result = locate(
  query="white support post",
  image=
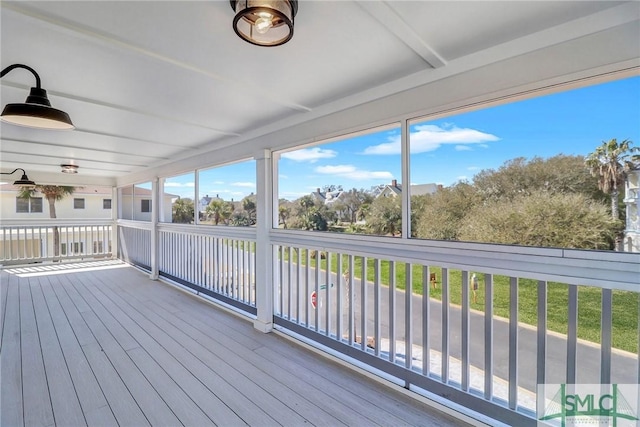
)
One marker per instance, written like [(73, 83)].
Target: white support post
[(116, 212), (406, 180), (264, 251), (155, 208)]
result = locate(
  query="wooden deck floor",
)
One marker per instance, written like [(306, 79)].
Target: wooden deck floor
[(109, 347)]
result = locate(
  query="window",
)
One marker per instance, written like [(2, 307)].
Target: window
[(176, 199), (75, 248), (145, 205), (351, 185), (106, 203), (227, 195), (516, 173), (29, 205), (78, 203)]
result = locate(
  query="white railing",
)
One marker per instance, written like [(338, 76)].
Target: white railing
[(54, 240), (485, 349), (413, 312), (134, 242), (218, 261)]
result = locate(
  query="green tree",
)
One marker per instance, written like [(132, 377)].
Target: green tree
[(310, 215), (609, 163), (219, 210), (52, 193), (284, 212), (542, 219), (183, 211), (438, 216), (249, 206), (557, 174), (385, 216), (353, 200)]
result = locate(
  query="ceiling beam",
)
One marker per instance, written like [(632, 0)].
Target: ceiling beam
[(388, 17)]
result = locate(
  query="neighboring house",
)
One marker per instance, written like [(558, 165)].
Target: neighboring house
[(632, 201), (136, 204), (327, 197), (86, 202), (394, 189), (204, 202)]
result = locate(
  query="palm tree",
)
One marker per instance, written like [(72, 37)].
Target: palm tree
[(609, 163), (219, 210), (183, 211), (52, 193)]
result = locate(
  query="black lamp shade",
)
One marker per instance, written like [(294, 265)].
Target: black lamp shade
[(36, 112), (24, 182), (264, 22)]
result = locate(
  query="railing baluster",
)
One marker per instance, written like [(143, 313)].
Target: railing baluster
[(408, 318), (352, 294), (513, 343), (289, 279), (328, 305), (299, 291), (488, 336), (392, 311), (339, 307), (281, 284), (572, 333), (363, 305), (465, 331), (307, 281), (377, 304), (542, 332), (606, 328), (426, 311), (444, 371), (316, 289)]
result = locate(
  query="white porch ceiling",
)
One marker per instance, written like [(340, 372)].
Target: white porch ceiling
[(149, 83)]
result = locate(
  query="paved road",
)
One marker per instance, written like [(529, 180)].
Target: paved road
[(624, 367)]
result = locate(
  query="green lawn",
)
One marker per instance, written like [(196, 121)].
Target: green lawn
[(625, 304)]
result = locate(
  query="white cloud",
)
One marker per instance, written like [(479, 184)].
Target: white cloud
[(463, 148), (311, 155), (431, 137), (244, 184), (351, 172), (462, 178), (179, 184), (473, 168)]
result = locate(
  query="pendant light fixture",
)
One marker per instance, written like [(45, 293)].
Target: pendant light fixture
[(36, 112), (69, 169), (264, 22), (22, 182)]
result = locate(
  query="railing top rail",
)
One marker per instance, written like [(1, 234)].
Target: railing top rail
[(612, 270), (50, 222)]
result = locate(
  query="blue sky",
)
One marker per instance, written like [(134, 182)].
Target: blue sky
[(446, 150)]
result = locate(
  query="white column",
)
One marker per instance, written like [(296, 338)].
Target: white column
[(155, 211), (264, 251), (116, 212), (406, 180)]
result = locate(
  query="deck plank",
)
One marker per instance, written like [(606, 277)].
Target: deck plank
[(64, 400), (11, 366), (90, 396), (154, 408), (103, 397), (179, 402), (37, 408), (138, 352), (232, 387)]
